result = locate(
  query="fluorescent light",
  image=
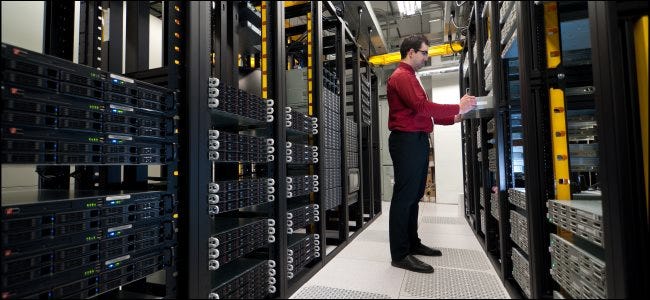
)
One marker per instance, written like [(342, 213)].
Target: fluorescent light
[(429, 72), (407, 8), (434, 20)]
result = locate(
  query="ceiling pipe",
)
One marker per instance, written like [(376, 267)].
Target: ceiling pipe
[(395, 57)]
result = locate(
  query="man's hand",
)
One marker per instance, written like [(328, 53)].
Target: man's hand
[(458, 118), (467, 103)]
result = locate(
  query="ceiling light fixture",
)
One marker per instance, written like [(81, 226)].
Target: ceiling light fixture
[(408, 8)]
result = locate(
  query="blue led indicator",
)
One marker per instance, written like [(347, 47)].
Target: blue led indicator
[(112, 234), (110, 266), (112, 202), (115, 80)]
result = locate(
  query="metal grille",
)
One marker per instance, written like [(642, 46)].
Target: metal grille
[(452, 283), (458, 258), (323, 292), (443, 220)]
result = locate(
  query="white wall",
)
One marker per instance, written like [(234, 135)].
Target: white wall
[(22, 24), (155, 42), (447, 142)]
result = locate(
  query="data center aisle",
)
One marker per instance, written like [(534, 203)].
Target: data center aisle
[(363, 270)]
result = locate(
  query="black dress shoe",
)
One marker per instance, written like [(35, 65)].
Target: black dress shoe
[(426, 251), (412, 264)]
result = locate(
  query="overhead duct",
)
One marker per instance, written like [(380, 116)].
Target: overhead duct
[(437, 50)]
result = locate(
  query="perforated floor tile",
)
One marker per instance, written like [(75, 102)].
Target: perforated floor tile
[(323, 292), (443, 220), (447, 283), (458, 258)]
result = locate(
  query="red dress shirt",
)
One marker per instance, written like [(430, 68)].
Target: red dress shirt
[(409, 108)]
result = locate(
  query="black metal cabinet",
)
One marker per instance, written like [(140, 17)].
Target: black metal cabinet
[(558, 139)]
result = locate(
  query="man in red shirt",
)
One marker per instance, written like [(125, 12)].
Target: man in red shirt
[(410, 121)]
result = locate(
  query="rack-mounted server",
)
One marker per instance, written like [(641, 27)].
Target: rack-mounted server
[(302, 185), (519, 230), (58, 112), (301, 216), (331, 188), (579, 272), (517, 196), (229, 99), (521, 271), (236, 238), (230, 147), (581, 217), (494, 206), (245, 279), (301, 250), (62, 243), (231, 195), (300, 122), (301, 154)]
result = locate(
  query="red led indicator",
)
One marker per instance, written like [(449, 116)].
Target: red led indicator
[(7, 252)]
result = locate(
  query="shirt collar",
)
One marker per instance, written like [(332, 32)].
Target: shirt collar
[(406, 67)]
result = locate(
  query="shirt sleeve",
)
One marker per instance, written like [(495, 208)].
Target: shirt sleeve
[(411, 93), (444, 120)]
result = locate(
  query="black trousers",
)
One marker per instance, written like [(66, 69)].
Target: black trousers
[(410, 154)]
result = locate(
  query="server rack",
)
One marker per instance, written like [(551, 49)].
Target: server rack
[(232, 249), (303, 221), (369, 142), (304, 253), (327, 42), (236, 157), (540, 54), (111, 229)]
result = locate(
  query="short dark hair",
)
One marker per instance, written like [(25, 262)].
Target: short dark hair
[(412, 42)]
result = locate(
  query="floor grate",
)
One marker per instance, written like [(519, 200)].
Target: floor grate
[(458, 258), (452, 283), (324, 292), (443, 220)]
